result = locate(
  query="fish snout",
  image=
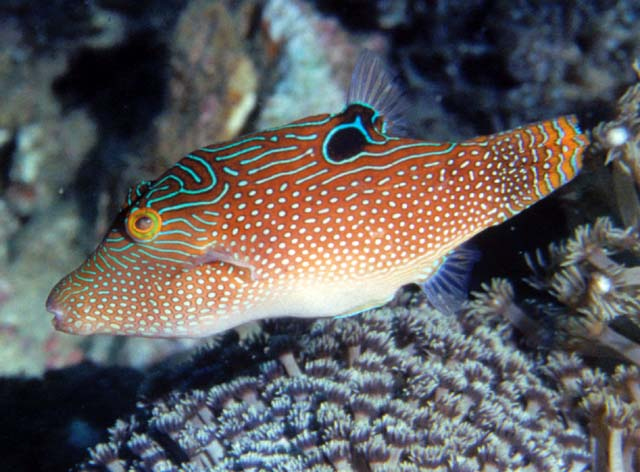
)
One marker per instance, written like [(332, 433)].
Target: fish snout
[(62, 316), (54, 307)]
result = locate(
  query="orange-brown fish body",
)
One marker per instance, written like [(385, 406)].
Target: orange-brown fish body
[(326, 216)]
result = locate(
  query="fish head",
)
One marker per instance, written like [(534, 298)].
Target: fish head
[(152, 274)]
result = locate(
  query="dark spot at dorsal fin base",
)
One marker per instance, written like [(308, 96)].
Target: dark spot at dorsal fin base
[(373, 84), (358, 125), (345, 144)]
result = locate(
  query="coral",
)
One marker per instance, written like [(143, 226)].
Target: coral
[(389, 390), (594, 284), (481, 66), (62, 24), (316, 57), (34, 177), (30, 117), (495, 306), (614, 420), (41, 147), (28, 344), (213, 81), (610, 405), (594, 279), (620, 139), (9, 224)]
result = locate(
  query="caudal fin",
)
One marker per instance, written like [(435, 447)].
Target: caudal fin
[(526, 164)]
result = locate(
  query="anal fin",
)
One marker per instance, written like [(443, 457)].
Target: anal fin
[(447, 288)]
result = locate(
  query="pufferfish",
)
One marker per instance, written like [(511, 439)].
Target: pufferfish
[(328, 215)]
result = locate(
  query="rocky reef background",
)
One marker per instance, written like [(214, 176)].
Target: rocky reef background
[(98, 95)]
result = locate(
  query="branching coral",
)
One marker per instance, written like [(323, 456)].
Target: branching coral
[(213, 100), (596, 295), (495, 305), (587, 275), (620, 139), (609, 405), (401, 390), (594, 280)]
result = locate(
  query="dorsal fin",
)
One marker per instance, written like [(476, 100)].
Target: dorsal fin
[(373, 84)]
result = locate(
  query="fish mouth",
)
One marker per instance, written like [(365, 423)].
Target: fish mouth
[(55, 309)]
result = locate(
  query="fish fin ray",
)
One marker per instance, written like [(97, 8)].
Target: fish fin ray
[(373, 84), (447, 288)]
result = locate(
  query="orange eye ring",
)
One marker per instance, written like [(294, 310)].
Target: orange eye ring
[(143, 224)]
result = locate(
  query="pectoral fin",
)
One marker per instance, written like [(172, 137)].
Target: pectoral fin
[(221, 254)]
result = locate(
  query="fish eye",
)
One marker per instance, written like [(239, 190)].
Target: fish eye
[(344, 143), (143, 224)]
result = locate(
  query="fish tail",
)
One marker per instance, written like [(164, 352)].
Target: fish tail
[(564, 145), (526, 164)]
